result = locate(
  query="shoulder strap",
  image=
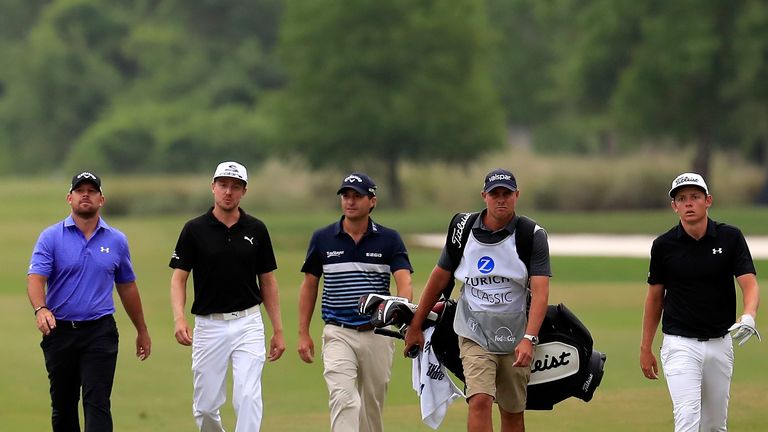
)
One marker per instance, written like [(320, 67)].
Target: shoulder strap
[(524, 230), (524, 239), (458, 233), (461, 226)]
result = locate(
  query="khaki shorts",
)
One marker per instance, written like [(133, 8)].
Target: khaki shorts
[(494, 375)]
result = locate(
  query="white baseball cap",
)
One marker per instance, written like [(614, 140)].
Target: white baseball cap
[(687, 179), (231, 169)]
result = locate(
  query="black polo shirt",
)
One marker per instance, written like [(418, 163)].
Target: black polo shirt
[(225, 262), (698, 278)]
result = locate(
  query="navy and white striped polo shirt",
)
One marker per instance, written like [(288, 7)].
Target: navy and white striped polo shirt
[(352, 270)]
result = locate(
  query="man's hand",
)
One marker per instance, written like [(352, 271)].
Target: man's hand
[(414, 341), (306, 348), (182, 332), (45, 321), (276, 346), (143, 345), (648, 364), (744, 329), (523, 354)]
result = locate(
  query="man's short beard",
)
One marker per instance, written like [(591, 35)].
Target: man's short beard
[(86, 214)]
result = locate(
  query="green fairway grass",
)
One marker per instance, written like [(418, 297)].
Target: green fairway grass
[(606, 293)]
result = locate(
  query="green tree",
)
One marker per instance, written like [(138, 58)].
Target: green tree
[(521, 59), (377, 83), (681, 68), (749, 86), (590, 41), (138, 85), (61, 79)]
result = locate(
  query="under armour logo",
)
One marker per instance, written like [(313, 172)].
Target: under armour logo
[(250, 240), (104, 249), (717, 251)]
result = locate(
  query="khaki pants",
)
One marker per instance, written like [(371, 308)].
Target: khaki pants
[(494, 375), (357, 373)]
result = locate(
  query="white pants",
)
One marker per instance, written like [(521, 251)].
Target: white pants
[(215, 344), (698, 375), (357, 372)]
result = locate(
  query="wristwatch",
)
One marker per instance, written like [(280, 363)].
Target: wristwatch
[(534, 339)]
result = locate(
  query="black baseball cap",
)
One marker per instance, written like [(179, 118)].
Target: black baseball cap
[(85, 176), (359, 182), (500, 177)]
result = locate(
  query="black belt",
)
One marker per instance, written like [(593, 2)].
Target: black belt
[(80, 324), (361, 328), (705, 339)]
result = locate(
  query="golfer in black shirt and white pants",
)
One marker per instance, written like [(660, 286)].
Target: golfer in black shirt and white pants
[(230, 254), (691, 291)]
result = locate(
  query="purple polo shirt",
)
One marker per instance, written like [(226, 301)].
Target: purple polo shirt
[(81, 273)]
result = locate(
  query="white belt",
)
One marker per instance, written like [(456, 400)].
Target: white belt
[(226, 316)]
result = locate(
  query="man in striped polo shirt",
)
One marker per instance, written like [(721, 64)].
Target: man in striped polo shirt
[(355, 256)]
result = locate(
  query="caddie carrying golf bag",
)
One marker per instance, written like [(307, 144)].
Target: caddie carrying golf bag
[(564, 365)]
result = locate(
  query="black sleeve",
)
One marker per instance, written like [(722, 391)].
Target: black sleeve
[(266, 261), (743, 263), (184, 254), (655, 273), (540, 264)]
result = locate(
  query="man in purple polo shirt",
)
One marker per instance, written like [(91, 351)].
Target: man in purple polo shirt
[(80, 260)]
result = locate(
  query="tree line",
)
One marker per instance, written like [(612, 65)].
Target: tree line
[(173, 86)]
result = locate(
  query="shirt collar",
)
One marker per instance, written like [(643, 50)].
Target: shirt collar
[(510, 227), (372, 227), (213, 221), (711, 229), (70, 221)]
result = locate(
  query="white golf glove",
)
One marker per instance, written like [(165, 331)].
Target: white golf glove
[(744, 329)]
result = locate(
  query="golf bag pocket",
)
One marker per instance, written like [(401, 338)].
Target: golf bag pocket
[(496, 332)]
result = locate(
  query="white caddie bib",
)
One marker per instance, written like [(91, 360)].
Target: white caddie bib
[(492, 307)]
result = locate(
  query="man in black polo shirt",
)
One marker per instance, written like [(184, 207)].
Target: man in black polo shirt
[(231, 256), (354, 256), (691, 280)]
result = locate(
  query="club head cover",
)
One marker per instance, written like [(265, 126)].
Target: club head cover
[(377, 318), (368, 303), (397, 313)]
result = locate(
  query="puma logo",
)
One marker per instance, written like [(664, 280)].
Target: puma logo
[(250, 239)]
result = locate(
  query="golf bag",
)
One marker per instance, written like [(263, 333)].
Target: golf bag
[(564, 365)]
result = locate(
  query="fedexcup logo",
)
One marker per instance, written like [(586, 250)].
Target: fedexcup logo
[(504, 334), (553, 361)]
